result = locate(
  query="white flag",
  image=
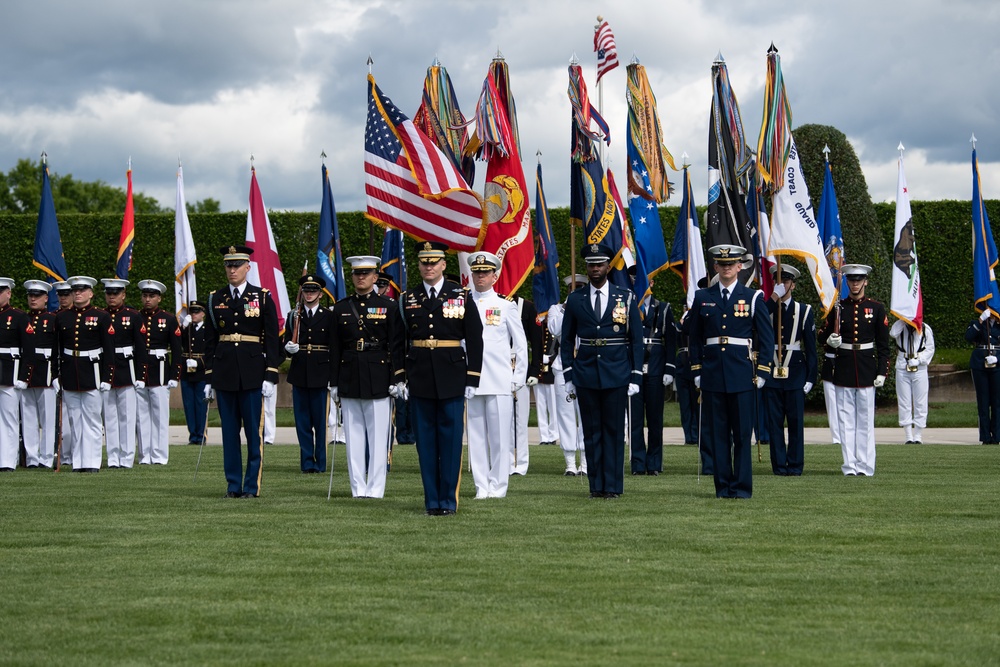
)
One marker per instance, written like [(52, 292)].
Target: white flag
[(185, 288), (907, 301), (794, 230)]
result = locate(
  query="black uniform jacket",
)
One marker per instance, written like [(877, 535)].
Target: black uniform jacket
[(242, 346), (368, 344), (442, 371)]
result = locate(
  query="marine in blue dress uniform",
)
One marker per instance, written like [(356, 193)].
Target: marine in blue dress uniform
[(13, 374), (793, 374), (438, 317), (658, 369), (984, 333), (38, 399), (242, 353), (308, 341), (606, 369), (731, 344), (120, 403)]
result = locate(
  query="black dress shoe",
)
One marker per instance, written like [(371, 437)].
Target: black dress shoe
[(434, 511), (638, 472), (445, 512), (569, 473), (612, 496), (653, 473), (248, 495), (232, 494), (596, 494)]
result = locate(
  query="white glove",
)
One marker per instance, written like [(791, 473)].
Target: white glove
[(191, 363), (20, 385), (546, 358), (515, 387), (668, 380), (633, 389), (139, 384), (991, 359), (267, 389), (807, 387), (779, 290), (55, 384), (209, 393), (759, 381), (985, 316), (912, 364), (469, 393), (879, 380), (186, 321), (105, 386), (697, 381), (834, 341), (171, 384), (570, 391), (335, 394), (291, 348), (532, 381)]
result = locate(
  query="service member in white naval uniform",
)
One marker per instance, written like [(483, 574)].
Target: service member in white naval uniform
[(491, 410), (915, 352), (569, 424)]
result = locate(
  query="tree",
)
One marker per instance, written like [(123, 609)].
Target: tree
[(21, 192), (207, 205), (863, 241)]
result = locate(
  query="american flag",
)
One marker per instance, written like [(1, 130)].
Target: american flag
[(604, 46), (411, 185)]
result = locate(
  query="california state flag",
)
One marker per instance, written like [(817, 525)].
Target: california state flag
[(907, 300), (265, 266), (794, 230)]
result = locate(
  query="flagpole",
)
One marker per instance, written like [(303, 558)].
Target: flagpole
[(572, 228), (371, 225), (600, 101)]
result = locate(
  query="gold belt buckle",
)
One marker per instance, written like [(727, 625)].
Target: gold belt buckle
[(361, 345), (780, 372), (600, 342), (723, 340)]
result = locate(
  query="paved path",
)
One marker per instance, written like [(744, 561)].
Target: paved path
[(675, 436)]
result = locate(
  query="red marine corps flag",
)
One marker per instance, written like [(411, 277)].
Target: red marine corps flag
[(265, 265), (508, 209)]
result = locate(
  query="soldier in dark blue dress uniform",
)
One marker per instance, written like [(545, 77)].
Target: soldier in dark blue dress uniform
[(792, 375), (242, 353), (308, 340), (731, 345), (984, 333), (438, 315), (193, 371), (606, 369), (658, 369)]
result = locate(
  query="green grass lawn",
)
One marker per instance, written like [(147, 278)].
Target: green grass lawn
[(940, 415), (148, 566)]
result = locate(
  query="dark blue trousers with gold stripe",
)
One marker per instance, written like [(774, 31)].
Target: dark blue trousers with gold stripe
[(236, 409), (438, 425), (309, 407)]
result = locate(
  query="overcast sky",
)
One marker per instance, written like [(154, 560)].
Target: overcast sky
[(93, 83)]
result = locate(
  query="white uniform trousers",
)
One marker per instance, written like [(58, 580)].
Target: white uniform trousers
[(120, 426), (367, 427), (519, 432), (489, 434), (856, 406), (153, 407), (270, 409), (545, 412), (66, 449), (10, 426), (38, 421), (911, 394), (832, 412), (85, 434), (570, 424)]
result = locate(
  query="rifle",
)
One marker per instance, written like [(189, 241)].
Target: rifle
[(299, 305)]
